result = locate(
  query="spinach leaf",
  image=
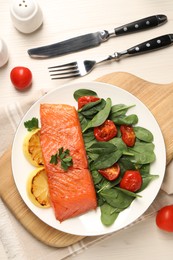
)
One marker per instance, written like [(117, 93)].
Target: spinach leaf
[(100, 200), (97, 177), (118, 142), (108, 214), (119, 110), (144, 169), (92, 108), (83, 120), (125, 164), (92, 156), (88, 136), (129, 193), (116, 198), (101, 148), (88, 144), (125, 120), (83, 92), (100, 117), (143, 153), (89, 105), (105, 184), (146, 179), (143, 134), (105, 160)]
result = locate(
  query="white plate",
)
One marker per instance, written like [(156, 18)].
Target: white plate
[(89, 224)]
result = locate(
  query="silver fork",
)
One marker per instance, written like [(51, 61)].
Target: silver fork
[(82, 68)]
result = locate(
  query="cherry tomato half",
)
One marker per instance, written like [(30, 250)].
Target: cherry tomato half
[(111, 173), (131, 181), (106, 131), (164, 218), (128, 135), (21, 77), (82, 101)]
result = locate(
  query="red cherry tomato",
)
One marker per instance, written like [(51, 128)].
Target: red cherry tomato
[(106, 131), (164, 218), (82, 101), (111, 173), (131, 181), (128, 135), (21, 77)]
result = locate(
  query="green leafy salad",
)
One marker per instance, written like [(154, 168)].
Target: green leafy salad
[(114, 195)]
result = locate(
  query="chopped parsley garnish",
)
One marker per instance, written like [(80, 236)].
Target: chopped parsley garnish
[(64, 157), (31, 124)]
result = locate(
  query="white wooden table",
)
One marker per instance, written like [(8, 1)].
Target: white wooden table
[(64, 19)]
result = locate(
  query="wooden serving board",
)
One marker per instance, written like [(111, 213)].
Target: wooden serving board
[(157, 97)]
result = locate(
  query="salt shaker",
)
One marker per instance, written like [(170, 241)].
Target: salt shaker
[(26, 15), (3, 53)]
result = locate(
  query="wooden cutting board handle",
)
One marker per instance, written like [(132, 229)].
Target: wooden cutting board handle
[(157, 97), (31, 223)]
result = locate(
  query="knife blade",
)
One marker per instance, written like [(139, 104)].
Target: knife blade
[(95, 39)]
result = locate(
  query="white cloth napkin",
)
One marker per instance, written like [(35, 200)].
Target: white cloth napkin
[(15, 241)]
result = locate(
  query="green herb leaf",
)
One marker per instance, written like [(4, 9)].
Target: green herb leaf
[(31, 124), (54, 159), (63, 156)]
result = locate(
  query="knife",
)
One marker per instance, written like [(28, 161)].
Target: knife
[(95, 39)]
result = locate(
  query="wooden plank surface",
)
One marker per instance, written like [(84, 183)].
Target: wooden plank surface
[(157, 97)]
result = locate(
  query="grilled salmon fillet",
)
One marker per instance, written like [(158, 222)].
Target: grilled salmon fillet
[(72, 192)]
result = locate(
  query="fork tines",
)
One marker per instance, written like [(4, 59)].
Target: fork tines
[(64, 71)]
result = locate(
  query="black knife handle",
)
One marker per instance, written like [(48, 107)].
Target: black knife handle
[(151, 45), (142, 24)]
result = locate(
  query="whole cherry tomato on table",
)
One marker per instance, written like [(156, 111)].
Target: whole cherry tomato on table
[(82, 101), (131, 181), (21, 77), (128, 135), (164, 218), (106, 131), (111, 173)]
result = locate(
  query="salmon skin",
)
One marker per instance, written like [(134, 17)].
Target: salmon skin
[(72, 192)]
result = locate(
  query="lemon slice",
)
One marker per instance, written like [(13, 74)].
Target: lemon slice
[(32, 148), (37, 188)]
